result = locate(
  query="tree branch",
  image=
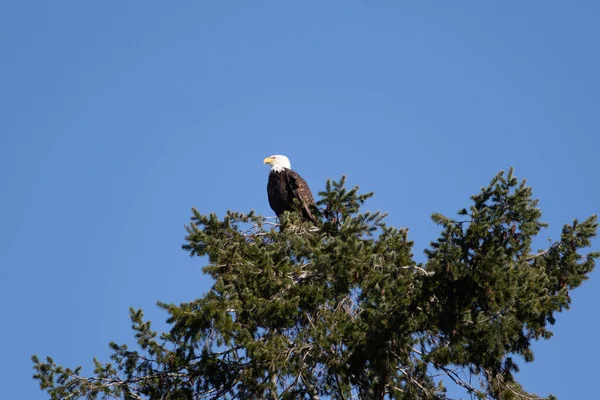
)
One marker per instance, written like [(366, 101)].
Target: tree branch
[(543, 252), (428, 273)]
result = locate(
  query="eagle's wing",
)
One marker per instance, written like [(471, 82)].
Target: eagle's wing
[(301, 191)]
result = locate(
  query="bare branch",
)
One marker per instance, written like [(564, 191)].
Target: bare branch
[(553, 246), (428, 273)]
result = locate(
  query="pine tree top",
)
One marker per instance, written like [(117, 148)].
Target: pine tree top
[(341, 309)]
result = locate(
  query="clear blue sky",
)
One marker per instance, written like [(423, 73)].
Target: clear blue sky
[(118, 117)]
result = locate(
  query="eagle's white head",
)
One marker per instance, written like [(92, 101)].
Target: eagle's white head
[(278, 163)]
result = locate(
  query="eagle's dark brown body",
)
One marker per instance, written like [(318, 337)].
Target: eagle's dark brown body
[(285, 186)]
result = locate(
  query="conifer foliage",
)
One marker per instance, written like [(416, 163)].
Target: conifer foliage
[(342, 310)]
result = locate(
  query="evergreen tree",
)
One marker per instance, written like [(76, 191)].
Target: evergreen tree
[(342, 310)]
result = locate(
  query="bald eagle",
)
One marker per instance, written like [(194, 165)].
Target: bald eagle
[(286, 185)]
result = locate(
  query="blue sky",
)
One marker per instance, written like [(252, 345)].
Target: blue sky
[(118, 117)]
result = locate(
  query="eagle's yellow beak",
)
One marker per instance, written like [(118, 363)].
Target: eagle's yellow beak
[(268, 160)]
